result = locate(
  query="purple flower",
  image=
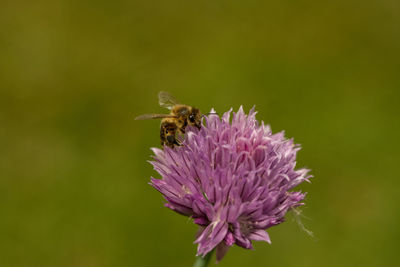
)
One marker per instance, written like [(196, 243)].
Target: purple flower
[(233, 179)]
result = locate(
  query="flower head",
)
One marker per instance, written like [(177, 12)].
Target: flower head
[(233, 178)]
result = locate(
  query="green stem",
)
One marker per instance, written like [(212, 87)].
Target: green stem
[(203, 261)]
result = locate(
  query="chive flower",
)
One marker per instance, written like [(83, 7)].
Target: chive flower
[(234, 179)]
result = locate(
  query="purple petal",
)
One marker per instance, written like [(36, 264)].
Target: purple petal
[(221, 250), (260, 235)]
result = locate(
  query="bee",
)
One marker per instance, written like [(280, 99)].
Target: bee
[(176, 121)]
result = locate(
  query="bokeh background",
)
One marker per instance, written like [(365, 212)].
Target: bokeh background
[(73, 163)]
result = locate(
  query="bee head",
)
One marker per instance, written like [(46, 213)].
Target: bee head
[(194, 118)]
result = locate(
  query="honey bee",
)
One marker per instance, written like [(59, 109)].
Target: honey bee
[(176, 122)]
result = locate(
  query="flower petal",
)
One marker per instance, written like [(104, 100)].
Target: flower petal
[(260, 235)]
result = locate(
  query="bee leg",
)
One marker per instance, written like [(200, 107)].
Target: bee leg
[(177, 143)]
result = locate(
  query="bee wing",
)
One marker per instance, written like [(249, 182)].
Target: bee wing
[(153, 116), (166, 100)]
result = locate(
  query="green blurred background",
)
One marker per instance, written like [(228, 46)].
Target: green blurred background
[(73, 173)]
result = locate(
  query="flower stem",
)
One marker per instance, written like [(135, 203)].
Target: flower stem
[(203, 261)]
